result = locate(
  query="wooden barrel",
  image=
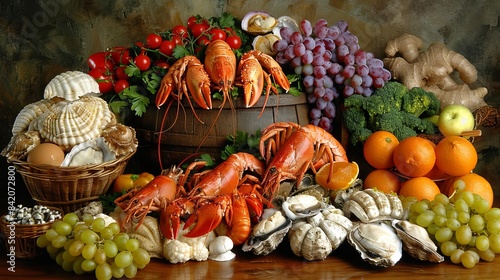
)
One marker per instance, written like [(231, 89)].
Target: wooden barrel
[(186, 135)]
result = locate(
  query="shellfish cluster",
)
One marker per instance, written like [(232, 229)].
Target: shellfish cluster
[(74, 117)]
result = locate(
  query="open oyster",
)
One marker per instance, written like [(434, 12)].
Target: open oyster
[(377, 243), (94, 151), (268, 233), (301, 206), (258, 22), (416, 241)]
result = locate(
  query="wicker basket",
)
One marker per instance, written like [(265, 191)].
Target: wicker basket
[(70, 188), (25, 237)]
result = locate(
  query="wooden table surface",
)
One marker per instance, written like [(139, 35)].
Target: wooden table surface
[(343, 263)]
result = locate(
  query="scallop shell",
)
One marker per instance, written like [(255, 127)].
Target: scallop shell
[(94, 151), (416, 241), (268, 233), (21, 144), (70, 123), (120, 138), (258, 22), (71, 85), (29, 113)]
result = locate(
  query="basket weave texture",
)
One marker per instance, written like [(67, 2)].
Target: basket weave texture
[(25, 237), (70, 188)]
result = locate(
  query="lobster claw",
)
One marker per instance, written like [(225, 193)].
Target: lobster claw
[(170, 221), (207, 217), (163, 94), (198, 83), (252, 79)]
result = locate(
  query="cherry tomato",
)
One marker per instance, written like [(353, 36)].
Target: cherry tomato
[(100, 60), (120, 73), (161, 63), (233, 41), (199, 28), (203, 40), (177, 40), (103, 77), (121, 85), (181, 31), (217, 34), (167, 47), (192, 20), (229, 31), (153, 41), (139, 44), (143, 62), (120, 55)]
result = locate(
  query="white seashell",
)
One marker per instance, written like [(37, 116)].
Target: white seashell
[(377, 243), (29, 113), (301, 205), (285, 21), (21, 144), (264, 43), (71, 85), (70, 123), (220, 249), (94, 151)]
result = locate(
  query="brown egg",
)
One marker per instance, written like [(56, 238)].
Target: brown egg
[(46, 153)]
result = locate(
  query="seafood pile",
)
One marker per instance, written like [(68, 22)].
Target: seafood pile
[(259, 204), (72, 116)]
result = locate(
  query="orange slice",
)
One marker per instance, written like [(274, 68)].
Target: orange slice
[(344, 174)]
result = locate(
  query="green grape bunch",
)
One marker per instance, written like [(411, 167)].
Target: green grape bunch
[(464, 226), (90, 246)]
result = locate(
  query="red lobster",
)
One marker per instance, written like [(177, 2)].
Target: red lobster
[(213, 196), (296, 149), (152, 197)]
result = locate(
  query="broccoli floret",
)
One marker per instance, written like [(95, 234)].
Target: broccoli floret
[(403, 132), (355, 122), (360, 134), (417, 124), (389, 121), (354, 101), (418, 101), (393, 92)]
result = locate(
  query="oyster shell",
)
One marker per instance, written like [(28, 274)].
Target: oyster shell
[(416, 241), (29, 113), (71, 85), (258, 22), (268, 233), (285, 21), (94, 151), (21, 144), (377, 243), (264, 43), (69, 123), (301, 206), (314, 238), (120, 138), (370, 205)]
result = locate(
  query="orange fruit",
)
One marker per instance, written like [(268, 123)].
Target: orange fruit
[(455, 156), (474, 183), (382, 180), (420, 188), (435, 172), (378, 149), (414, 156), (344, 174)]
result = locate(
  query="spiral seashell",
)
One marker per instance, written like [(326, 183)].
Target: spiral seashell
[(21, 144), (70, 123), (29, 113), (71, 85), (120, 138)]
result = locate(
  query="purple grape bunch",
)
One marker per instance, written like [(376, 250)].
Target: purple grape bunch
[(331, 63)]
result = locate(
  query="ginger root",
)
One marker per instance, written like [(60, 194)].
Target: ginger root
[(434, 70)]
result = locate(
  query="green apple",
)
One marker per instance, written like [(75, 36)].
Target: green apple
[(433, 119), (455, 119)]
